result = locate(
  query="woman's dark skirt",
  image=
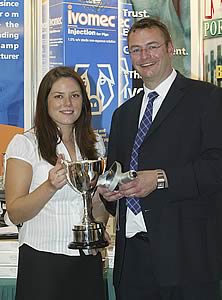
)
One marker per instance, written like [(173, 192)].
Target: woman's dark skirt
[(48, 276)]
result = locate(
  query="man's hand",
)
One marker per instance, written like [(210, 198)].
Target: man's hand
[(108, 195), (144, 184)]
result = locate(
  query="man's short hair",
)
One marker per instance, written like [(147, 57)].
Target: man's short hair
[(151, 23)]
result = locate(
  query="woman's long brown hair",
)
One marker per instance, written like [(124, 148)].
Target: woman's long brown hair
[(47, 132)]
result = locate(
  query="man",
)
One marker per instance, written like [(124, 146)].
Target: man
[(166, 241), (171, 13)]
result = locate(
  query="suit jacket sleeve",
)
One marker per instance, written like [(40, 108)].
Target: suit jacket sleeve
[(201, 174)]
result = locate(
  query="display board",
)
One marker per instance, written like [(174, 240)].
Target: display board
[(212, 41), (91, 37), (176, 15), (12, 63), (12, 71), (84, 35)]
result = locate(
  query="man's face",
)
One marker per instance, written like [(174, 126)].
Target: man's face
[(150, 55)]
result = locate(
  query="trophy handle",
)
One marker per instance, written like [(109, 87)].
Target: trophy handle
[(127, 176), (69, 181)]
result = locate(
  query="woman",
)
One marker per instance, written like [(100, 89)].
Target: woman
[(38, 196)]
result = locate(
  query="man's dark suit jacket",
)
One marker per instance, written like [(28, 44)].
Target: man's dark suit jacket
[(185, 140)]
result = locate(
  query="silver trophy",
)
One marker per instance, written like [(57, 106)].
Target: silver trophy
[(112, 178), (82, 176)]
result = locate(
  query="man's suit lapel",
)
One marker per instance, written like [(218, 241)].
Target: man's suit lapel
[(132, 125), (173, 97)]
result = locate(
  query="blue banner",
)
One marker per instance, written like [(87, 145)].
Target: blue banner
[(12, 63), (84, 35), (91, 37)]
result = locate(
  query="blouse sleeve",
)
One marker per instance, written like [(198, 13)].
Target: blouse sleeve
[(21, 147), (100, 146)]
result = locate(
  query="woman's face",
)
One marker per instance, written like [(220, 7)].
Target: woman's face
[(65, 102)]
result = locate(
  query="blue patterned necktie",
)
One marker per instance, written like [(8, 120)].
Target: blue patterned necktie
[(132, 202)]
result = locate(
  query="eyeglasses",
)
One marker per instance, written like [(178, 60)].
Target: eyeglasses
[(152, 49)]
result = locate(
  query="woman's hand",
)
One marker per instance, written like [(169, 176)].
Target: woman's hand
[(57, 175)]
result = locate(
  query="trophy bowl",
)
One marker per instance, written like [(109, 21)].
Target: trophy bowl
[(82, 176)]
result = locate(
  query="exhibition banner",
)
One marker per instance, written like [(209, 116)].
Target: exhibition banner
[(12, 72), (84, 35), (91, 37), (45, 37), (212, 41), (176, 15), (12, 63)]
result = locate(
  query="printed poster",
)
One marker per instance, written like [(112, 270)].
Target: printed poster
[(12, 63), (212, 41), (176, 15), (84, 35), (12, 72), (91, 36)]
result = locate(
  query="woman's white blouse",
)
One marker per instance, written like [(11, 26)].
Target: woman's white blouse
[(51, 229)]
